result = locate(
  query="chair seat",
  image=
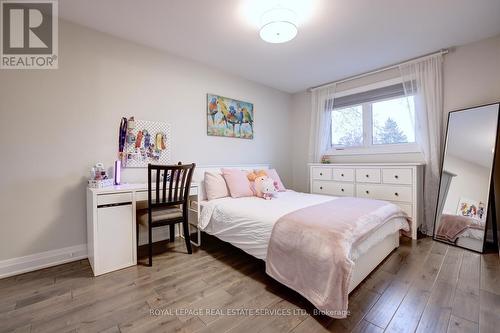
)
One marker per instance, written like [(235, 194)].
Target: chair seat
[(159, 215)]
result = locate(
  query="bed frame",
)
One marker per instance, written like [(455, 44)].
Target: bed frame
[(364, 265), (470, 243)]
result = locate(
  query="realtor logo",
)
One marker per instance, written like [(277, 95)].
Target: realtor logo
[(29, 34)]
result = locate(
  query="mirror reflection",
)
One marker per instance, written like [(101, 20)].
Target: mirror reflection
[(466, 177)]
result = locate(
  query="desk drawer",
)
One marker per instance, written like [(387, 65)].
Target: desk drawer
[(333, 188), (116, 198), (397, 176), (368, 175), (322, 173), (384, 192), (346, 175)]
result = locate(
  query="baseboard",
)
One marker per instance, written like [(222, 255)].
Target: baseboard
[(15, 266), (33, 262)]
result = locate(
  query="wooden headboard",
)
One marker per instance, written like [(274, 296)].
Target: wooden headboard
[(199, 173)]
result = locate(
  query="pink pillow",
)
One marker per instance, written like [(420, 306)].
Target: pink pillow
[(271, 173), (215, 186), (237, 182)]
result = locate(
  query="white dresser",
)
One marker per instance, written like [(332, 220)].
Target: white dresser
[(400, 183)]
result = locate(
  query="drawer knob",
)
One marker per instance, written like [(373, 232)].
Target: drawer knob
[(367, 192), (342, 175), (342, 189), (396, 176), (367, 176), (321, 187), (321, 173), (396, 194)]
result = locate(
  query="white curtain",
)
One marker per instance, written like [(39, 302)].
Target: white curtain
[(319, 134), (424, 80)]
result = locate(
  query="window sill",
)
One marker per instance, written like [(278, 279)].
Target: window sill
[(385, 149)]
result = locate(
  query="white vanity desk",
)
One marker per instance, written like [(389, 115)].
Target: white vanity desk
[(111, 225)]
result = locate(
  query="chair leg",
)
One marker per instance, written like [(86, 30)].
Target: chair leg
[(172, 232), (150, 245), (185, 226)]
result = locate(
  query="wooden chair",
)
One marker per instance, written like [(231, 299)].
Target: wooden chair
[(167, 202)]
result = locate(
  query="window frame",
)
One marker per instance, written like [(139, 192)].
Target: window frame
[(368, 147)]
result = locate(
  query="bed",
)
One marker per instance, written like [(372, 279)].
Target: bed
[(472, 239), (463, 231), (247, 223)]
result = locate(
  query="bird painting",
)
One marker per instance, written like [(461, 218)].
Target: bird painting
[(246, 115), (229, 117), (241, 116), (212, 109)]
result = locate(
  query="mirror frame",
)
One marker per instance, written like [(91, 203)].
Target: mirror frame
[(491, 194)]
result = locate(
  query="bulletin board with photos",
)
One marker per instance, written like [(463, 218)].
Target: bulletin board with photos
[(147, 142)]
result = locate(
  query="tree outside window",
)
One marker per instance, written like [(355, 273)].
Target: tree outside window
[(382, 122)]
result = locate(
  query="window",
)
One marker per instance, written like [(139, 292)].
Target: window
[(393, 121), (373, 120), (347, 126)]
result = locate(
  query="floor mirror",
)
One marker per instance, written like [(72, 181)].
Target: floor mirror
[(465, 196)]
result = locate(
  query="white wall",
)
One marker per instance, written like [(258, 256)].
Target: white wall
[(472, 181), (54, 124), (471, 77), (301, 122)]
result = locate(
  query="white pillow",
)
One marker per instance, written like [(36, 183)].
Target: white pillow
[(215, 186)]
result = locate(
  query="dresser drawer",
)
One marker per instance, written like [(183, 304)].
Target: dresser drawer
[(333, 188), (368, 175), (397, 176), (346, 175), (322, 173), (407, 208), (384, 192)]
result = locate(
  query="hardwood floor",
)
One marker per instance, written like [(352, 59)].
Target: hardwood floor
[(423, 286)]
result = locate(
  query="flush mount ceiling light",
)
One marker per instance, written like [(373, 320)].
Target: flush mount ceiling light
[(278, 25)]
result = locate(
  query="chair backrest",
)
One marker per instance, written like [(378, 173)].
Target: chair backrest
[(172, 184)]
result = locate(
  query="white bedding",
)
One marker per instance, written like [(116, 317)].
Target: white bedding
[(472, 233), (471, 239), (247, 222)]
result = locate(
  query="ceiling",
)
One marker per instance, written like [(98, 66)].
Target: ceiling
[(337, 38), (472, 135)]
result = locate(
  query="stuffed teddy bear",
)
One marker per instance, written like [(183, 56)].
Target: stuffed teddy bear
[(265, 187), (255, 174)]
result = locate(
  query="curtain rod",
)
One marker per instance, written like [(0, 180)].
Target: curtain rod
[(382, 69)]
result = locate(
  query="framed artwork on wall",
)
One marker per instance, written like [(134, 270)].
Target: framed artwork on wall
[(229, 117), (471, 208)]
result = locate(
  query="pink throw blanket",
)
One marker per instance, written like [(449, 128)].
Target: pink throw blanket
[(309, 248), (451, 226)]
